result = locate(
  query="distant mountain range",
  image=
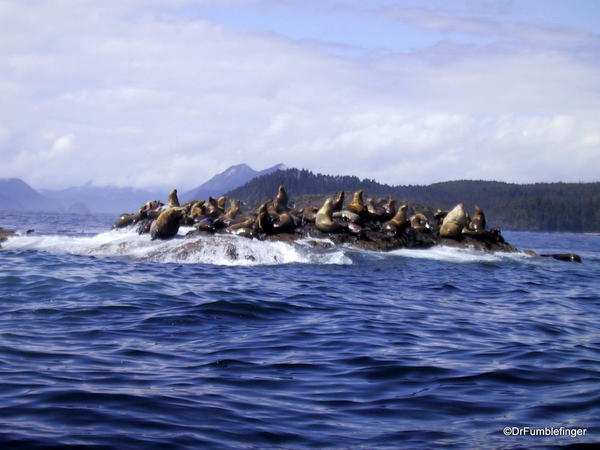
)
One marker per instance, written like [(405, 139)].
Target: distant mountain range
[(106, 199), (540, 206), (15, 194), (225, 181)]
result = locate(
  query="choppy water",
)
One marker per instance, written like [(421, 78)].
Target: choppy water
[(108, 339)]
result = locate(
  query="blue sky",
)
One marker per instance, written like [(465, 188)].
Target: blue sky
[(169, 92)]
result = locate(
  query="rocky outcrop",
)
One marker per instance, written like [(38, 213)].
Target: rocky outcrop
[(374, 224)]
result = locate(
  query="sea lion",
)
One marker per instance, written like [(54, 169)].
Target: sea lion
[(124, 220), (151, 209), (439, 216), (280, 203), (398, 223), (152, 204), (389, 208), (221, 202), (212, 208), (198, 210), (348, 216), (173, 201), (167, 224), (338, 203), (228, 218), (375, 212), (263, 223), (206, 224), (477, 222), (285, 223), (324, 221), (572, 257), (419, 222), (310, 214), (357, 205), (241, 222), (234, 209), (454, 222)]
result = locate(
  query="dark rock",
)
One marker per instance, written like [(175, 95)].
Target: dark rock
[(5, 234)]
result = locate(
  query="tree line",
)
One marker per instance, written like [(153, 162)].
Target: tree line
[(541, 206)]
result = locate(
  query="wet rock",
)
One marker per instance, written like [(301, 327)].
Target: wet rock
[(5, 234)]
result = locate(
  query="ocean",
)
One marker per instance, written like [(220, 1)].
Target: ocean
[(109, 340)]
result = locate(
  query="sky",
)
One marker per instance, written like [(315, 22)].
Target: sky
[(166, 93)]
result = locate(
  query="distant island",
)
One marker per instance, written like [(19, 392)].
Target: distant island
[(566, 207)]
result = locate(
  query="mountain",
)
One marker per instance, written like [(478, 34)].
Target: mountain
[(15, 194), (225, 181), (540, 206), (103, 199)]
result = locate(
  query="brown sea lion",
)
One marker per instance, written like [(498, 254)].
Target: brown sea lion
[(477, 222), (124, 220), (348, 216), (221, 202), (285, 223), (398, 223), (324, 221), (228, 218), (454, 222), (241, 222), (212, 208), (167, 224), (263, 223), (234, 209), (419, 222), (375, 213), (357, 205), (198, 210), (338, 202), (151, 205), (207, 224), (439, 217), (173, 201), (389, 208), (280, 203), (571, 257)]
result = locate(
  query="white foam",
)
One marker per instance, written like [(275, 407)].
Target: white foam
[(458, 255), (219, 250)]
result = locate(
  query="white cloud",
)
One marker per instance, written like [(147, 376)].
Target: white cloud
[(154, 99)]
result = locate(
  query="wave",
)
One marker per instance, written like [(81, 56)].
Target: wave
[(460, 255), (217, 250), (235, 250)]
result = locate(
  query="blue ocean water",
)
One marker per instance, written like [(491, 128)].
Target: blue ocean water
[(110, 340)]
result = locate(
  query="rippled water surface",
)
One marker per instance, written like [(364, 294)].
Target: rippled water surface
[(108, 339)]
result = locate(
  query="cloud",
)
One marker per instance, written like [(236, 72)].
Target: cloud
[(61, 146), (146, 94)]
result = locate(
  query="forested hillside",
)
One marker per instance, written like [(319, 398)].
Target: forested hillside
[(541, 206)]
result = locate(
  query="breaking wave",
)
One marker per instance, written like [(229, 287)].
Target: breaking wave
[(217, 250)]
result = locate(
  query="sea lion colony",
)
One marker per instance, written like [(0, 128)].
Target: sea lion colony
[(361, 222)]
